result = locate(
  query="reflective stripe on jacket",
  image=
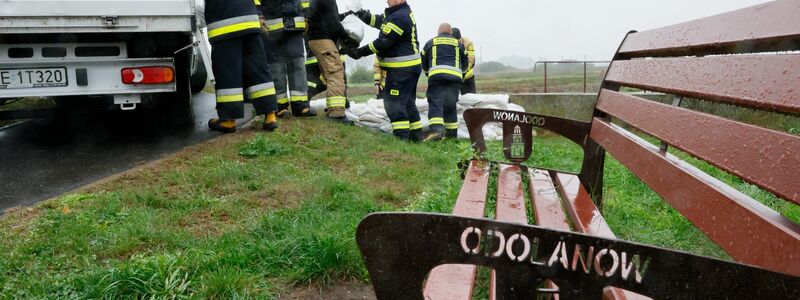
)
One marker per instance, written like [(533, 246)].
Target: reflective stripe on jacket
[(444, 58), (397, 45), (231, 18), (284, 14)]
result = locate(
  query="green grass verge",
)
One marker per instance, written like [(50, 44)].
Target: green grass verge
[(250, 215)]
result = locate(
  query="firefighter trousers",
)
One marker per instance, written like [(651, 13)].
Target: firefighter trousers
[(399, 101), (240, 66), (286, 54), (316, 82), (332, 69), (442, 99)]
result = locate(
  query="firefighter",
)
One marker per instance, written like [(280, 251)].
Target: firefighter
[(380, 79), (468, 87), (285, 49), (397, 49), (325, 32), (239, 64), (444, 61)]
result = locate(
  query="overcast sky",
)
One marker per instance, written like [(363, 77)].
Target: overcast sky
[(553, 29)]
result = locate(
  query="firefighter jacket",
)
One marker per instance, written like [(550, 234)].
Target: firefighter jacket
[(470, 47), (444, 59), (283, 15), (397, 46), (231, 18), (324, 21)]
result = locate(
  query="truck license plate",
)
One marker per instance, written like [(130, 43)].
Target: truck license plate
[(32, 78)]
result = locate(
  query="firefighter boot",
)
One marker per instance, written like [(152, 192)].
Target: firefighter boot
[(435, 134), (336, 113), (303, 110), (415, 136), (451, 133), (270, 122), (284, 112), (228, 126)]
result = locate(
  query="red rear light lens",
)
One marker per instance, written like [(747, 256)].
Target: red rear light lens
[(148, 75)]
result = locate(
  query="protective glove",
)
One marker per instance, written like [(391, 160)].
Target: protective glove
[(359, 53), (348, 42), (364, 15), (346, 51)]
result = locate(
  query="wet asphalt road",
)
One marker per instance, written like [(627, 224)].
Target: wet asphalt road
[(44, 158)]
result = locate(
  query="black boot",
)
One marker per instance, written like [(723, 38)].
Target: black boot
[(451, 134), (284, 112), (435, 134), (415, 136), (402, 134)]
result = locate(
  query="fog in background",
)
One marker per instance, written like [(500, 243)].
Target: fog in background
[(518, 32)]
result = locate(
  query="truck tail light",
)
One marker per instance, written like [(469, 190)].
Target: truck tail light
[(148, 75)]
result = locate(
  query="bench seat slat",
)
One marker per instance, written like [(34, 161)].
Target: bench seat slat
[(510, 205), (545, 202), (749, 231), (587, 219), (457, 281), (767, 158), (764, 27), (759, 81)]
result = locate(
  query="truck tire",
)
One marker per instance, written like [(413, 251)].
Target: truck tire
[(179, 104), (199, 78)]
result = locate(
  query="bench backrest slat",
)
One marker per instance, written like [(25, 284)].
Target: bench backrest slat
[(767, 158), (743, 227), (768, 82), (772, 26)]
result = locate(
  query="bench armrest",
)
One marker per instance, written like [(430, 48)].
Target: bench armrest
[(518, 130)]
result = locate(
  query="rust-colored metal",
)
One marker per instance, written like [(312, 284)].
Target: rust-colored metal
[(772, 26), (476, 118), (510, 208), (769, 82), (767, 158), (588, 219), (746, 229), (585, 68), (458, 281)]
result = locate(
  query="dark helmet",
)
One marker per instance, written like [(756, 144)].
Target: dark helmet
[(456, 33)]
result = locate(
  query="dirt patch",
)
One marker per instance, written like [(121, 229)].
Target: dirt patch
[(339, 290), (205, 223), (20, 219)]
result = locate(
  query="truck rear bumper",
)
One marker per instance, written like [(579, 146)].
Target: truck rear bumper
[(88, 77)]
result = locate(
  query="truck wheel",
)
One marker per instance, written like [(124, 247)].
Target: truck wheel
[(179, 104), (199, 78)]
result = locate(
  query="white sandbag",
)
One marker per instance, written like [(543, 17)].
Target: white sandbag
[(354, 28), (354, 5), (515, 107)]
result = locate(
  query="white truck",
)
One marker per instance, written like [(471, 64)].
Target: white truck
[(127, 54)]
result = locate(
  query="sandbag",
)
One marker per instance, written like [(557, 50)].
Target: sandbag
[(372, 114)]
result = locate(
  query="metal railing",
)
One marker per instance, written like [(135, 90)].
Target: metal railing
[(584, 62)]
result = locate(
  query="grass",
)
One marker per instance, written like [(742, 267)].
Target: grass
[(252, 215), (248, 216)]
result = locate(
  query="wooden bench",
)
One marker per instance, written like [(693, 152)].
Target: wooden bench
[(735, 58)]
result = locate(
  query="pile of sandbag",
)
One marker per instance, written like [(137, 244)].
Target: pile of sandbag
[(373, 115)]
